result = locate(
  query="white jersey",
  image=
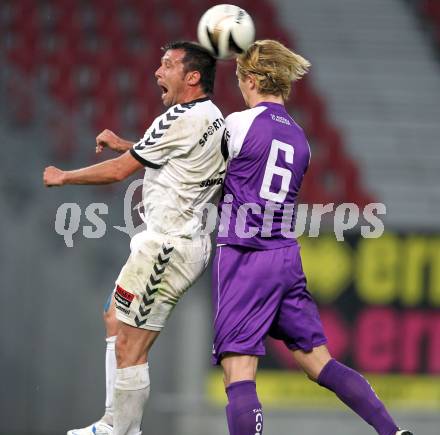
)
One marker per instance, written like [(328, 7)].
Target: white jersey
[(184, 167)]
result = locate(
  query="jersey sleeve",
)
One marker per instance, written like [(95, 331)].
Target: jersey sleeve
[(168, 137), (237, 127), (232, 134)]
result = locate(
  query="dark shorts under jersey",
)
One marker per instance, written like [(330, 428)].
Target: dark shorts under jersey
[(258, 293)]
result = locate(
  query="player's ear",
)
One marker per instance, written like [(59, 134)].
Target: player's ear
[(252, 81), (193, 78)]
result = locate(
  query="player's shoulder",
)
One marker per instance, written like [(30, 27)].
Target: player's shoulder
[(167, 118), (177, 115), (201, 107), (238, 125), (180, 109), (245, 115), (173, 113), (243, 120), (196, 112)]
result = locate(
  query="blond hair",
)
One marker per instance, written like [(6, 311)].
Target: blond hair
[(273, 65)]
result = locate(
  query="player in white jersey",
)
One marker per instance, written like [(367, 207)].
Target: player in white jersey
[(180, 151)]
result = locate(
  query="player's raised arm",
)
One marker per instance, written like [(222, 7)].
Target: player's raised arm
[(108, 139), (106, 172)]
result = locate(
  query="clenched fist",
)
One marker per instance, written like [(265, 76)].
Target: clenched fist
[(53, 176), (107, 139)]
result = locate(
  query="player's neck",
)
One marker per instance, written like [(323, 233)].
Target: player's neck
[(191, 96), (268, 98)]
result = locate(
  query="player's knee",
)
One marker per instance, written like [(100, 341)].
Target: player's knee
[(312, 377), (238, 368), (225, 380), (312, 371), (133, 345), (109, 317), (312, 362), (110, 322), (122, 351)]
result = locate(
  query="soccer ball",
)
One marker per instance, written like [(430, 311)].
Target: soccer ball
[(226, 30)]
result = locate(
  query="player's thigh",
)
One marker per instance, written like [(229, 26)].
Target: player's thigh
[(312, 362), (155, 277), (247, 286), (133, 345), (298, 323), (238, 368)]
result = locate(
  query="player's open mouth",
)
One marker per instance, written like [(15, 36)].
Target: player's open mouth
[(164, 90)]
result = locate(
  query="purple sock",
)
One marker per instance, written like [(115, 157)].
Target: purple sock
[(244, 413), (228, 418), (356, 392)]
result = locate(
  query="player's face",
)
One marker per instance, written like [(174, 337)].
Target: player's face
[(171, 77)]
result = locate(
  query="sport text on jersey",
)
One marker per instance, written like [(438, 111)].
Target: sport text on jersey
[(213, 127)]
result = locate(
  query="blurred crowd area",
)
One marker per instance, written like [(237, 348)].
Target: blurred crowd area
[(96, 60), (370, 108)]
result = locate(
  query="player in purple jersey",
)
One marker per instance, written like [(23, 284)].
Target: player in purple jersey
[(259, 287)]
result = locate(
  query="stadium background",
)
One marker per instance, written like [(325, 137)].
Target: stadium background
[(371, 108)]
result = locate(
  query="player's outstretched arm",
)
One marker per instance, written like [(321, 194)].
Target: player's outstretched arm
[(108, 139), (106, 172)]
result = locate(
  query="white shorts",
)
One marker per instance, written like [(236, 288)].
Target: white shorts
[(158, 272)]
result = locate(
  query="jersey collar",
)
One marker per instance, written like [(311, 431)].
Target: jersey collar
[(198, 100), (268, 103)]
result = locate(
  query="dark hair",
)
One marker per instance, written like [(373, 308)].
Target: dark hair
[(197, 58)]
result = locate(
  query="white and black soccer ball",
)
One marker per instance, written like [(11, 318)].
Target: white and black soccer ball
[(226, 30)]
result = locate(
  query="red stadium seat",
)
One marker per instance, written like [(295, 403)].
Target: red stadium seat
[(431, 8), (24, 57), (108, 118), (63, 135), (63, 88), (99, 56)]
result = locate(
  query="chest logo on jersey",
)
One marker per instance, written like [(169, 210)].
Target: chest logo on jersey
[(216, 125)]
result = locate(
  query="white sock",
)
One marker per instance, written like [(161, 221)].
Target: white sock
[(110, 374), (132, 389)]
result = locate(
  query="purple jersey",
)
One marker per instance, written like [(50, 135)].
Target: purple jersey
[(269, 155)]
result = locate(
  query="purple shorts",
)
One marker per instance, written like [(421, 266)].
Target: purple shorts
[(258, 293)]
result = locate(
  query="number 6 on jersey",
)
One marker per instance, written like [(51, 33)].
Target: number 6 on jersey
[(272, 169)]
